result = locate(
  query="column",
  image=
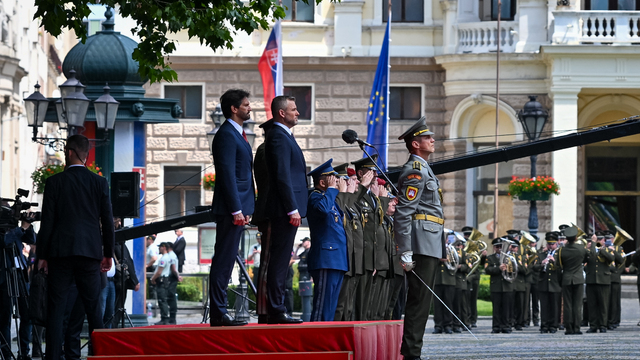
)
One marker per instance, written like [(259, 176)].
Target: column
[(564, 163), (449, 28), (532, 18), (348, 28)]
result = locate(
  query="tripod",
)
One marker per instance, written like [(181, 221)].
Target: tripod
[(14, 267), (205, 315)]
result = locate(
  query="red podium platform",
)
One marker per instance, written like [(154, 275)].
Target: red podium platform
[(360, 340)]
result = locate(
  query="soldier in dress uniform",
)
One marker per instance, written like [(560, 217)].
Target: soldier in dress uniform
[(327, 260), (445, 288), (473, 282), (501, 289), (571, 259), (615, 298), (532, 312), (419, 225), (461, 296), (598, 284), (347, 200), (519, 285), (548, 286), (371, 208), (396, 295)]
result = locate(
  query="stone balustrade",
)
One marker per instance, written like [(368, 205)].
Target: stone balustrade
[(482, 37), (596, 27)]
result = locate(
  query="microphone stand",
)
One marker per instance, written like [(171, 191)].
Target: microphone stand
[(393, 187)]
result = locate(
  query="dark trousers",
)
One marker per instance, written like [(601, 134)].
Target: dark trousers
[(533, 311), (377, 296), (363, 296), (282, 236), (346, 299), (615, 303), (401, 304), (418, 304), (549, 310), (473, 301), (520, 302), (262, 307), (502, 308), (597, 300), (6, 310), (224, 256), (572, 299), (459, 307), (442, 318), (326, 289), (394, 293), (74, 320), (63, 272)]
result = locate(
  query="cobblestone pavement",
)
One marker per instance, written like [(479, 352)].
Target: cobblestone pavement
[(622, 343)]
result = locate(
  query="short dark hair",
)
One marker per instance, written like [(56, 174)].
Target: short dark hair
[(168, 245), (280, 103), (79, 144), (232, 97)]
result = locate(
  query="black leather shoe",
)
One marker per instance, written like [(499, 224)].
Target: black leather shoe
[(283, 318), (226, 320), (568, 332), (610, 327), (552, 331), (561, 327), (536, 323), (544, 330), (448, 330), (474, 325), (457, 330), (518, 327), (494, 331), (577, 333), (592, 331), (163, 322), (412, 358), (603, 330), (437, 331), (506, 331)]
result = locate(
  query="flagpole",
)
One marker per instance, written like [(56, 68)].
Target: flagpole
[(497, 174), (386, 148)]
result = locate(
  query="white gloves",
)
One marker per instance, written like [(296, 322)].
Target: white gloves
[(406, 259)]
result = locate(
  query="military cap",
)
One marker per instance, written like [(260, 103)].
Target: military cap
[(563, 226), (608, 235), (365, 162), (551, 237), (266, 125), (324, 169), (459, 242), (497, 241), (570, 232), (420, 128), (513, 231), (514, 242), (600, 234), (342, 169), (535, 238), (561, 235), (467, 229)]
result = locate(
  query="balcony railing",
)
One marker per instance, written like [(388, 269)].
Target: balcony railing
[(482, 37), (596, 27)]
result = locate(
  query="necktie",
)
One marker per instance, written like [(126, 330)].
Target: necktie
[(244, 135)]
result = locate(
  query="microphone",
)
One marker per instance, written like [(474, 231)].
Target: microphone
[(349, 136)]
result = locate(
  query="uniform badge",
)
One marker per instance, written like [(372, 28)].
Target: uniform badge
[(412, 192), (414, 176)]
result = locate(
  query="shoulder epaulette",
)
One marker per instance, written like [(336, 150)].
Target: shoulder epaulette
[(417, 165), (318, 191)]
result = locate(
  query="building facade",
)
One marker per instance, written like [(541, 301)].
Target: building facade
[(578, 57)]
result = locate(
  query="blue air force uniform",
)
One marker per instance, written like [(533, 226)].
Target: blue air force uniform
[(327, 260)]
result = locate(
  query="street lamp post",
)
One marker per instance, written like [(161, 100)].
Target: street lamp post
[(533, 118)]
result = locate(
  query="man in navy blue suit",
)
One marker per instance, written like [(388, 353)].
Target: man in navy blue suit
[(233, 199), (327, 260), (286, 201)]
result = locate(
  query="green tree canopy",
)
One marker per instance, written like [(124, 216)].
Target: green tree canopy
[(213, 22)]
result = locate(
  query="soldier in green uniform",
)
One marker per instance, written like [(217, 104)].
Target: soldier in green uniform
[(571, 258), (598, 284), (445, 288), (473, 282), (548, 286), (501, 289), (460, 299), (395, 287), (418, 224), (532, 311), (615, 301), (371, 209), (519, 285)]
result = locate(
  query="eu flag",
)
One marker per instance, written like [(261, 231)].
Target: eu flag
[(377, 113)]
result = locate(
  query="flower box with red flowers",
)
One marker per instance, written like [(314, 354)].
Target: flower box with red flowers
[(208, 181), (41, 174), (539, 188)]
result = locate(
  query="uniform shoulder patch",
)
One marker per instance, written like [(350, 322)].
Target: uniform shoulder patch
[(411, 193), (417, 165), (414, 176)]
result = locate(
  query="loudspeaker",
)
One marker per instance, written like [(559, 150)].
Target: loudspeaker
[(125, 194)]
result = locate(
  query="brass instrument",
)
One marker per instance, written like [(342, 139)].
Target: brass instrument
[(581, 233), (475, 235), (473, 260), (474, 250), (511, 271), (621, 237), (452, 258)]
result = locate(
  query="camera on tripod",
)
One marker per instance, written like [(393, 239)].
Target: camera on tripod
[(11, 215)]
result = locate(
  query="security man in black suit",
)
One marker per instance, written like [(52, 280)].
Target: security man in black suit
[(75, 241)]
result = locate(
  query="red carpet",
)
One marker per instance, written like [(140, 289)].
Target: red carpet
[(327, 340)]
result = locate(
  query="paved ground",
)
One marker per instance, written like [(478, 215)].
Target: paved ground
[(622, 343)]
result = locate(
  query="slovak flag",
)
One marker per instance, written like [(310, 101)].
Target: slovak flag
[(270, 68)]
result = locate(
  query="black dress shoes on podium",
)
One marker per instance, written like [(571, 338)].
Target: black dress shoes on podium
[(226, 320), (283, 318)]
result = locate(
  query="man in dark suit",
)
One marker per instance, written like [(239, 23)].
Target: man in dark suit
[(178, 248), (233, 199), (287, 201), (76, 240), (328, 254)]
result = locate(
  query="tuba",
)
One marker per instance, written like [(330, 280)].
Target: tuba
[(621, 237), (511, 272), (452, 258)]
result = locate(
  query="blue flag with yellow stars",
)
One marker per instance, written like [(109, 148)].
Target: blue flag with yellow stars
[(377, 113)]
